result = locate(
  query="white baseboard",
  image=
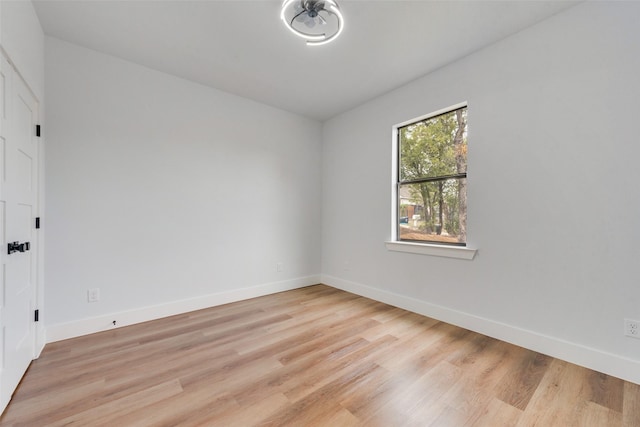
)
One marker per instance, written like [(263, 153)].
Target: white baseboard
[(62, 331), (598, 360)]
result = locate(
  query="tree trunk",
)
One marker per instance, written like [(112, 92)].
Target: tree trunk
[(441, 208), (426, 203)]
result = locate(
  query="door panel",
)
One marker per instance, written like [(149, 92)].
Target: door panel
[(2, 166), (23, 176), (22, 262)]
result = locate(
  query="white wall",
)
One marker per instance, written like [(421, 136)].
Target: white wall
[(167, 194), (553, 191), (22, 39)]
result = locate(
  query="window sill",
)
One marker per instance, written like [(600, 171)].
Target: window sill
[(460, 252)]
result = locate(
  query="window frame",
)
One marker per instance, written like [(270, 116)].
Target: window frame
[(445, 249)]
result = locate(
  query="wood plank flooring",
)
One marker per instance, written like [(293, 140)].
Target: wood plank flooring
[(315, 356)]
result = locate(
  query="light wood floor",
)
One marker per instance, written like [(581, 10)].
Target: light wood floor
[(310, 357)]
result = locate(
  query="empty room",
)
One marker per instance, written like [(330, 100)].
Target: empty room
[(319, 213)]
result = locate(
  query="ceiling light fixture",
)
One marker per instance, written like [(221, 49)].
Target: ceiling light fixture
[(317, 21)]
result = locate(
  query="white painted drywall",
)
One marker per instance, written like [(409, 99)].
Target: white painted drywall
[(162, 190), (21, 36), (553, 189)]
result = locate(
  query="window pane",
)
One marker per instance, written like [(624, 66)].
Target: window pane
[(434, 147), (433, 211)]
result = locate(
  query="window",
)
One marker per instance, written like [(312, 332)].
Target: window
[(431, 185)]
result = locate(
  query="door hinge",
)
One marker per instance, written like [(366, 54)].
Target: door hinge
[(37, 130), (36, 316), (37, 222)]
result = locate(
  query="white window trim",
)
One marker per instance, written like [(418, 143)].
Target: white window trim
[(441, 250), (447, 251)]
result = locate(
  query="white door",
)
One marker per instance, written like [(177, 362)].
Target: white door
[(18, 196)]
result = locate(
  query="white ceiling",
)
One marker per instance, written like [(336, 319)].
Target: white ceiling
[(242, 47)]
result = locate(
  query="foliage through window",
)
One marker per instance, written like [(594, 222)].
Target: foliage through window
[(432, 179)]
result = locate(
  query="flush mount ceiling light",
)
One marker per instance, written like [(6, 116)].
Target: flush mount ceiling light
[(316, 21)]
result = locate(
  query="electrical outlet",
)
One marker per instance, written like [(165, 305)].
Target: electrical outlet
[(279, 267), (93, 295), (632, 328)]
